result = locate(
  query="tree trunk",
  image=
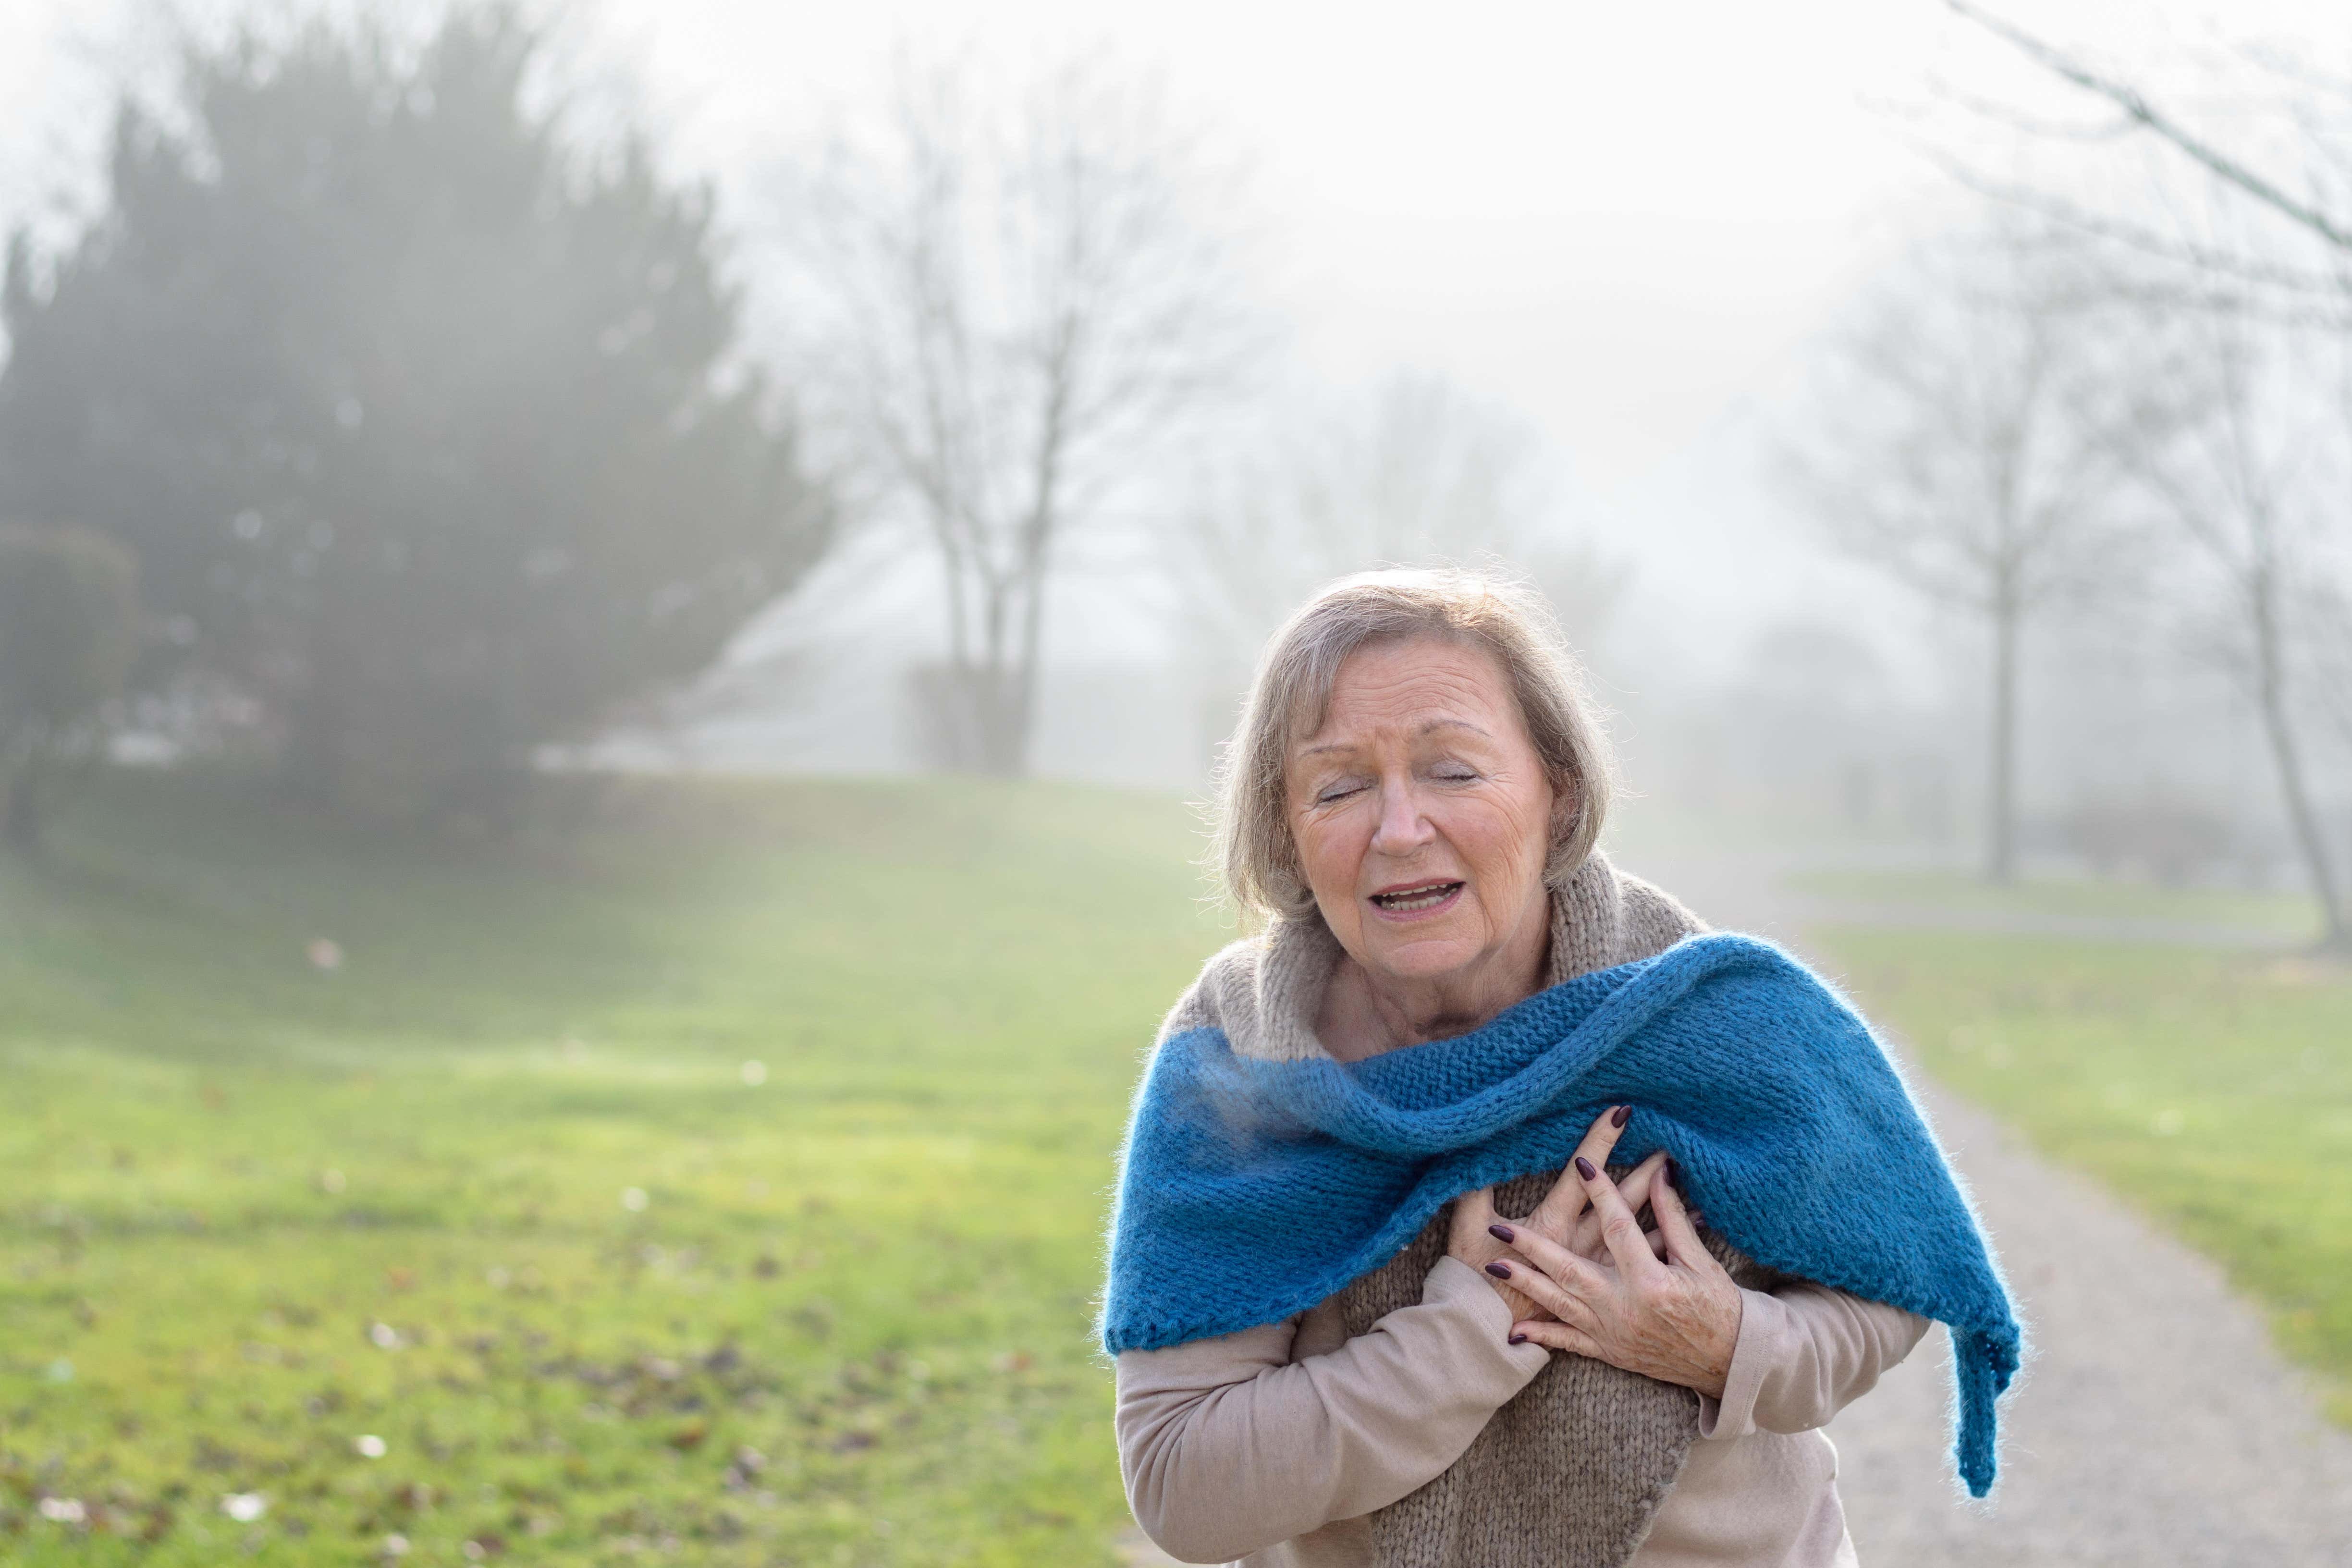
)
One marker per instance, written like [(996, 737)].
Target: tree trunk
[(991, 682), (20, 784), (2270, 682), (1002, 726), (2000, 783), (20, 823)]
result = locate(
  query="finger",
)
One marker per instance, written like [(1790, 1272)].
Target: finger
[(1555, 1336), (1567, 1198), (1635, 1188), (1473, 1211), (1683, 1243), (1546, 1292), (1587, 1242), (1465, 1236), (1546, 1258), (1620, 1231), (1519, 1303)]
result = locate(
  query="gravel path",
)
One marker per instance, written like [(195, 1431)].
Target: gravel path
[(2154, 1426), (2154, 1422)]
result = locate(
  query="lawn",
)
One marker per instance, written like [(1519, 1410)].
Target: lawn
[(2214, 1090), (2291, 915), (727, 1189)]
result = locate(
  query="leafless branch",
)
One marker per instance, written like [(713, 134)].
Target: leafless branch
[(2137, 106)]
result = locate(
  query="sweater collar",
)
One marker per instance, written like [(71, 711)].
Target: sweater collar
[(1299, 953)]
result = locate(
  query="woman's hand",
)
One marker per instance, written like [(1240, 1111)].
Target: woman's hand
[(1676, 1318), (1564, 1217)]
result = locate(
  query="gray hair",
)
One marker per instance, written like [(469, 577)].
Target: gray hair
[(1291, 696)]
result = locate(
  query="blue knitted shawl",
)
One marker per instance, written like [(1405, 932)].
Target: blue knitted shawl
[(1251, 1190)]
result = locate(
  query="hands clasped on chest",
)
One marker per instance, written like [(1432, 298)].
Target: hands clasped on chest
[(1582, 1274)]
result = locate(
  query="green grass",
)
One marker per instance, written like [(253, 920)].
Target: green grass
[(254, 1210), (2294, 916), (2214, 1090)]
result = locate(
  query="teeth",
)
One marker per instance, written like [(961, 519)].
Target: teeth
[(1416, 898)]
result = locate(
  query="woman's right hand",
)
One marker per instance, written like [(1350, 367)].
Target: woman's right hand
[(1566, 1215)]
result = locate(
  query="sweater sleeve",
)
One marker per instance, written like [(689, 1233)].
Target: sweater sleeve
[(1805, 1353), (1228, 1445)]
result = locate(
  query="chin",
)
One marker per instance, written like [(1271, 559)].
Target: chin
[(1432, 957)]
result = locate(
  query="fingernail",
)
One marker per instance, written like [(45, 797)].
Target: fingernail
[(1621, 1115), (1518, 1339), (1502, 1233), (1673, 1176), (1499, 1271), (1584, 1168)]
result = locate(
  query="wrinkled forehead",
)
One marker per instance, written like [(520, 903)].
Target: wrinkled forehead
[(1421, 681)]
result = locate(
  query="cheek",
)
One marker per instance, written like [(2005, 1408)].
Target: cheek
[(1330, 844), (1504, 837)]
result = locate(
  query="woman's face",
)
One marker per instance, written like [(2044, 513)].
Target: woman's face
[(1421, 813)]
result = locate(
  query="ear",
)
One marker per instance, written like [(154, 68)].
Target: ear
[(1567, 816)]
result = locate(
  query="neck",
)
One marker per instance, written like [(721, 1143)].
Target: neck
[(1365, 1011)]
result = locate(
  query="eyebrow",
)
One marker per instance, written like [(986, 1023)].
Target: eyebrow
[(1425, 729)]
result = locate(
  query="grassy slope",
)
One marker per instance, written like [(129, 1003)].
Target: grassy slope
[(874, 1269), (2214, 1090)]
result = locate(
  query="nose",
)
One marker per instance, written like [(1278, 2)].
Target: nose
[(1403, 828)]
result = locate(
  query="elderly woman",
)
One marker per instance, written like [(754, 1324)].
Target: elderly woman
[(1311, 1377)]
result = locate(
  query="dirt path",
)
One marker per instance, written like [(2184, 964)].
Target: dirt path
[(2154, 1427)]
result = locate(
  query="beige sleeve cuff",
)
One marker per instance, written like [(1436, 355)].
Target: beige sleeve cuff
[(1454, 1284), (1804, 1353)]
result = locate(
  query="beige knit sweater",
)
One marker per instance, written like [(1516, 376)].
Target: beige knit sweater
[(1393, 1426)]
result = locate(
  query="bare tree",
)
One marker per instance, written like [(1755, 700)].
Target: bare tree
[(1020, 304), (2243, 479), (1958, 437), (1414, 472), (2313, 198), (2263, 238)]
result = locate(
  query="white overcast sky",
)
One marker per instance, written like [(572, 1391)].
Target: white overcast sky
[(1608, 215), (1615, 218)]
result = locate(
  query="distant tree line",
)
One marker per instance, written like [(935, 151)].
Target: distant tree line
[(420, 421)]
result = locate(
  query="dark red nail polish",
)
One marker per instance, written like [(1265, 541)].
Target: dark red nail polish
[(1499, 1271), (1502, 1233), (1621, 1115), (1673, 1176), (1518, 1339), (1584, 1168)]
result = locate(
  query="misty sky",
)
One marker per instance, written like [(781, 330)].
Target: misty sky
[(1617, 219), (1609, 216)]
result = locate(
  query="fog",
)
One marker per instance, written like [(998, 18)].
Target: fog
[(1627, 239), (614, 617)]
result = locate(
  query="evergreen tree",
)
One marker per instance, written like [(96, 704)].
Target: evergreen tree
[(428, 422)]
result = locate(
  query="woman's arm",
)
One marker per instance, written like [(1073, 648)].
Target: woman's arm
[(1805, 1353), (1229, 1447)]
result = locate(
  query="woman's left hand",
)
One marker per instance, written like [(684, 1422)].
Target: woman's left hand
[(1676, 1318)]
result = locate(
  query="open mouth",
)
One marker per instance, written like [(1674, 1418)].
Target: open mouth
[(1417, 898)]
